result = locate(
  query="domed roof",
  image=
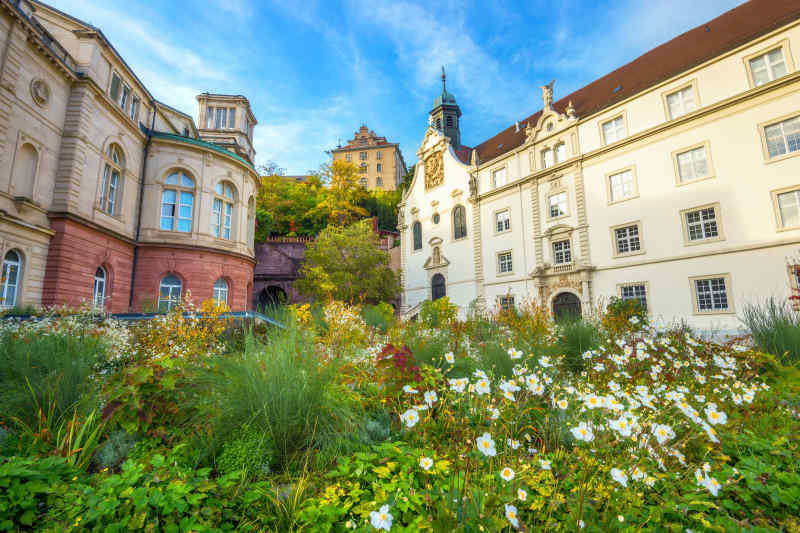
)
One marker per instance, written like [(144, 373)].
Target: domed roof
[(444, 98)]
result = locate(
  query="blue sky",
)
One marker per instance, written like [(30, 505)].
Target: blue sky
[(314, 71)]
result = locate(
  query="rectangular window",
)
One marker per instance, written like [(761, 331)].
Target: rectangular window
[(246, 124), (621, 186), (363, 182), (506, 302), (216, 217), (547, 158), (222, 116), (768, 67), (504, 262), (681, 102), (627, 239), (783, 137), (634, 291), (379, 182), (168, 203), (209, 118), (711, 295), (562, 252), (232, 118), (348, 157), (499, 177), (558, 205), (561, 152), (701, 224), (379, 168), (113, 184), (226, 231), (135, 108), (692, 164), (789, 208), (502, 221), (116, 87), (123, 100), (362, 156), (363, 168), (378, 156), (613, 130), (185, 212)]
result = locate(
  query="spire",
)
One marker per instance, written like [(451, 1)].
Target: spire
[(443, 81)]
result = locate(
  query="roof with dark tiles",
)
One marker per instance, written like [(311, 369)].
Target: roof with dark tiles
[(722, 34)]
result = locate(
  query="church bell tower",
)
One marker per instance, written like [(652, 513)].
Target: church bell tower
[(446, 114)]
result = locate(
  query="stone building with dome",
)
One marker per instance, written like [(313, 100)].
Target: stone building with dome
[(673, 180), (107, 195)]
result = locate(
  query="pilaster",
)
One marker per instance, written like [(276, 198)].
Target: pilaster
[(74, 150), (477, 252)]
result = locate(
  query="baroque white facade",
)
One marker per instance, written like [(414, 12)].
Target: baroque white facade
[(678, 185)]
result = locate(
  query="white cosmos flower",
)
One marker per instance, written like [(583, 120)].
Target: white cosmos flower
[(381, 519), (711, 484), (410, 418), (622, 426), (714, 415), (583, 432), (637, 473), (663, 433), (545, 361), (494, 413), (486, 445), (426, 463), (545, 464), (522, 495), (511, 515), (458, 385), (592, 401), (509, 396), (408, 389), (482, 386), (562, 404), (513, 353), (619, 476), (513, 443), (450, 358), (431, 397), (507, 474)]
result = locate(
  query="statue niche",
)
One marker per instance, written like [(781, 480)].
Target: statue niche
[(434, 171)]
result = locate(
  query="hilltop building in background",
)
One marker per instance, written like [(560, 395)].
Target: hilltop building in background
[(380, 162), (106, 194), (674, 180)]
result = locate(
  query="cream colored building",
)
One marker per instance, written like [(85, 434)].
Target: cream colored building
[(380, 162), (678, 185), (106, 194)]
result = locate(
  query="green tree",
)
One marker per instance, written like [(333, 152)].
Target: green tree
[(383, 205), (406, 183), (345, 263), (341, 200)]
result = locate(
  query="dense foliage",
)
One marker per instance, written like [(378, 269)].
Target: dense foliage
[(347, 420)]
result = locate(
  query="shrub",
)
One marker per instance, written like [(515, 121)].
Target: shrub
[(575, 337), (378, 316), (775, 328), (250, 453), (438, 313), (623, 315), (114, 450)]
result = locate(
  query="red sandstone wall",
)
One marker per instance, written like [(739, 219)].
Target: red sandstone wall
[(197, 269), (74, 255)]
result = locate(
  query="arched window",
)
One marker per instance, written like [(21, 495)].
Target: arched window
[(99, 293), (251, 222), (561, 152), (221, 291), (177, 202), (111, 181), (169, 293), (25, 176), (222, 213), (459, 222), (417, 229), (438, 288), (12, 276)]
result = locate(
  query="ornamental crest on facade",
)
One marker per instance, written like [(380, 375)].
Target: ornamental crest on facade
[(434, 170)]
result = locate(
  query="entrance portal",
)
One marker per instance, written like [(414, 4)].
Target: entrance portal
[(272, 296), (438, 289), (566, 305)]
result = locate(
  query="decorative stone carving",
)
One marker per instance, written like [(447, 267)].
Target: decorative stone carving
[(40, 92), (401, 218), (547, 94), (570, 110), (434, 171), (473, 186)]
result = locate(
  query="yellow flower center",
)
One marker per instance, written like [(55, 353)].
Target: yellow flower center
[(485, 444), (512, 515), (714, 415), (383, 516)]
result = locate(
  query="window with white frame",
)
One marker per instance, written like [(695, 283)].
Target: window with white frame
[(692, 164), (621, 185), (558, 204), (363, 182), (220, 118), (378, 155), (560, 152), (111, 181), (169, 293), (505, 264), (711, 294), (506, 301), (379, 167), (634, 291), (222, 210), (135, 108), (10, 281), (626, 239), (783, 137), (363, 168), (562, 252), (499, 177), (459, 222), (502, 221), (701, 224), (221, 291), (177, 201), (768, 67), (362, 156), (99, 289), (613, 130), (348, 157), (681, 102), (119, 91), (789, 208), (547, 158)]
